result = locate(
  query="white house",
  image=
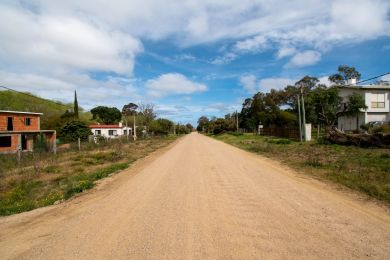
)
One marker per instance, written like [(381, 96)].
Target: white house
[(111, 131), (377, 98)]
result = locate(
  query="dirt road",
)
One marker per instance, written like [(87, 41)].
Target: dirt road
[(202, 199)]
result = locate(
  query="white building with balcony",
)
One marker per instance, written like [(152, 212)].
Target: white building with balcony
[(377, 98)]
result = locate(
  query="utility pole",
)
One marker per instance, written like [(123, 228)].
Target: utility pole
[(303, 116), (135, 129), (299, 118)]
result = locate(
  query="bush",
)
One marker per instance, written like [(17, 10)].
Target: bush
[(278, 141), (73, 130)]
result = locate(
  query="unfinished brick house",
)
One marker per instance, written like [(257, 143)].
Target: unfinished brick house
[(19, 130)]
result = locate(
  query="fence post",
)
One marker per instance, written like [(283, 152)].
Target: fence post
[(79, 143)]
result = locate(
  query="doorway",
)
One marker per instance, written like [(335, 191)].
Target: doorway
[(24, 142)]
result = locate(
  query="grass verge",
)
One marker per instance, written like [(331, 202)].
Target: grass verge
[(43, 179), (361, 169)]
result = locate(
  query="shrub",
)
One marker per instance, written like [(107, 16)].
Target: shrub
[(73, 130)]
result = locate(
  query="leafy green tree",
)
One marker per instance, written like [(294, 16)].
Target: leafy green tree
[(73, 130), (344, 74), (146, 114), (203, 123), (329, 106), (190, 127), (106, 115), (161, 126)]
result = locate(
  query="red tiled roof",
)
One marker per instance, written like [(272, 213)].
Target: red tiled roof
[(104, 126)]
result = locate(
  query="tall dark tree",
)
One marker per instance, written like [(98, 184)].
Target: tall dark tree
[(76, 106), (129, 109)]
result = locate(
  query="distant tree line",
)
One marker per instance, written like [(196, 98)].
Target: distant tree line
[(279, 108)]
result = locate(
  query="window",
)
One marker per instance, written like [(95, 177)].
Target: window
[(5, 141), (10, 124), (125, 132), (98, 132), (377, 100), (111, 132), (27, 121)]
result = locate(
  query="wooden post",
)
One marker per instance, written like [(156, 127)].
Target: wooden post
[(19, 156), (79, 143), (318, 131)]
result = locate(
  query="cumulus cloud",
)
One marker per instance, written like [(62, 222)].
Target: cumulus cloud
[(249, 83), (304, 58), (48, 42), (252, 85), (285, 52), (173, 83)]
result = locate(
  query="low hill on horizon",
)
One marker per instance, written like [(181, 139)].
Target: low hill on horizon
[(52, 110)]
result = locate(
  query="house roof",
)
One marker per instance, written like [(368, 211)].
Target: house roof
[(105, 126), (382, 87), (20, 112)]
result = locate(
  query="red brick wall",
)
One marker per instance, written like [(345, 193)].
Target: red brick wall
[(18, 121)]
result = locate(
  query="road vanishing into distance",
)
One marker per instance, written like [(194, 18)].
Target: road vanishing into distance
[(202, 199)]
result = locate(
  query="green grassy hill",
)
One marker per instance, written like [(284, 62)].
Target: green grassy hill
[(52, 110)]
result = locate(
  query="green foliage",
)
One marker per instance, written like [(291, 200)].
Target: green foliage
[(161, 126), (344, 74), (106, 115), (18, 199), (129, 109), (278, 141), (75, 106), (73, 130)]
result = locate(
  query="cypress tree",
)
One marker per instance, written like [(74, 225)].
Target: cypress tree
[(76, 106)]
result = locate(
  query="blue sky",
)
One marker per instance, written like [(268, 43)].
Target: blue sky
[(189, 58)]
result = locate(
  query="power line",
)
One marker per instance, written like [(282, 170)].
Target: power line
[(27, 94), (368, 79)]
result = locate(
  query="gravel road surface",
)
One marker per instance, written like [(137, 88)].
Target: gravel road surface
[(202, 199)]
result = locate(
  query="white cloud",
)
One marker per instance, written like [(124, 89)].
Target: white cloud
[(304, 58), (91, 92), (266, 84), (249, 83), (386, 77), (252, 85), (173, 83), (255, 44), (49, 42), (324, 80), (285, 52), (224, 59)]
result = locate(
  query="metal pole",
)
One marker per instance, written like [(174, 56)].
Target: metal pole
[(135, 130), (299, 118), (303, 117)]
